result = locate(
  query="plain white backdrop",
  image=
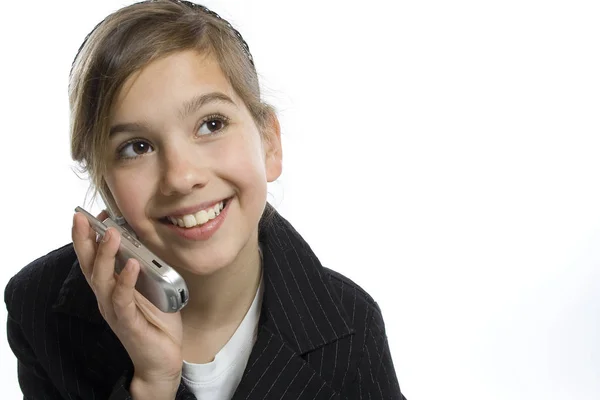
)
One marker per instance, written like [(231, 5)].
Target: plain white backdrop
[(443, 155)]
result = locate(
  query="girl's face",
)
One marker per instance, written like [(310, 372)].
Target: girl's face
[(182, 141)]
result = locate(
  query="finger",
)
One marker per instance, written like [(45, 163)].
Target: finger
[(123, 296), (102, 278), (153, 315), (101, 217), (84, 243)]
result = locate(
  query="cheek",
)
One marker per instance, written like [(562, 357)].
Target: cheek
[(131, 190), (242, 160)]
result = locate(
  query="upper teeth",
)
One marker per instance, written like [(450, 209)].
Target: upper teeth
[(200, 218)]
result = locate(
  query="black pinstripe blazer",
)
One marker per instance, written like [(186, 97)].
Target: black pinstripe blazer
[(320, 335)]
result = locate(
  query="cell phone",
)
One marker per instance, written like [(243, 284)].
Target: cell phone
[(157, 281)]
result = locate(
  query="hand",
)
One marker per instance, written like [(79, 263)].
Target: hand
[(153, 339)]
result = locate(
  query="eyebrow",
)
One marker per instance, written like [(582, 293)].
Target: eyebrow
[(188, 108)]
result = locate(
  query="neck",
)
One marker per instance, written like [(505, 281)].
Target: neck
[(224, 297)]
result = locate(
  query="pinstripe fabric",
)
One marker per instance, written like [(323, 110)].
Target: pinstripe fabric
[(320, 335)]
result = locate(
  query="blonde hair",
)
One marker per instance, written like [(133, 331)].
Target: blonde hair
[(133, 37)]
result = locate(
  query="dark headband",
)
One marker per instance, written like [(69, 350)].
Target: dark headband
[(193, 6), (214, 14)]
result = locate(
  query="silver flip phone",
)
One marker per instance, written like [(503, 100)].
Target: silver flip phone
[(157, 281)]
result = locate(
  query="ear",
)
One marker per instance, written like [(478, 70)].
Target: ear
[(272, 146)]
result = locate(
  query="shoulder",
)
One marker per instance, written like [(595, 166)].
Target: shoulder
[(342, 282), (39, 281), (360, 307)]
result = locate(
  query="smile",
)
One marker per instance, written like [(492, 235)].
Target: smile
[(199, 218)]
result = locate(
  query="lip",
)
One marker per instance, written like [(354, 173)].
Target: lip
[(194, 209)]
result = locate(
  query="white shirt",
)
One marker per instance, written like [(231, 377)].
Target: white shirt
[(219, 379)]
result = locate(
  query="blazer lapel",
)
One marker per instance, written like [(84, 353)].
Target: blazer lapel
[(275, 370), (298, 315)]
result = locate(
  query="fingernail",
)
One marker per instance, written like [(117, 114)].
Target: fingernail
[(106, 237)]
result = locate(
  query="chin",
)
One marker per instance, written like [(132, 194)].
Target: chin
[(202, 263), (200, 271)]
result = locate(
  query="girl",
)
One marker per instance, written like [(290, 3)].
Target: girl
[(168, 121)]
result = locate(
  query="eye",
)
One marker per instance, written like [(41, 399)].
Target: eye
[(212, 125), (134, 149)]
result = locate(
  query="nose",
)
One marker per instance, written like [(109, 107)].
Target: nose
[(181, 170)]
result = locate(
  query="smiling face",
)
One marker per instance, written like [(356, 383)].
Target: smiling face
[(181, 141)]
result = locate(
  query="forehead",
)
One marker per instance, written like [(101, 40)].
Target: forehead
[(168, 82)]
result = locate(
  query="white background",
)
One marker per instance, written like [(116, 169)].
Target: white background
[(444, 155)]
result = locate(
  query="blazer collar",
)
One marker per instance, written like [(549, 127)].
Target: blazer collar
[(298, 303)]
